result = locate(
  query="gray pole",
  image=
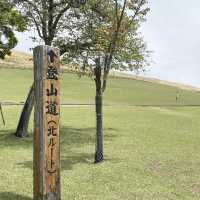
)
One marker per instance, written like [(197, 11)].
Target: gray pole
[(1, 110)]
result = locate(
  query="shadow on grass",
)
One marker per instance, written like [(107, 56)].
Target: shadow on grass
[(8, 138), (71, 139), (12, 196), (74, 137), (67, 162)]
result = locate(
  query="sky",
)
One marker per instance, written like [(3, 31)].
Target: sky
[(172, 32)]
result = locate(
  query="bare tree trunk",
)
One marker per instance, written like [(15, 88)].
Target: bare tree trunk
[(99, 129), (99, 115), (22, 128), (1, 111)]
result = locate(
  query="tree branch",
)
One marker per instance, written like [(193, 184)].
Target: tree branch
[(116, 10), (50, 20), (137, 9), (112, 46), (34, 6), (60, 14), (44, 23), (37, 26)]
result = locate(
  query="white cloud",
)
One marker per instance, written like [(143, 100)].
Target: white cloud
[(172, 31)]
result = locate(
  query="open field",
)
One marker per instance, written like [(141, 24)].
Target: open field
[(15, 83), (152, 153), (21, 60)]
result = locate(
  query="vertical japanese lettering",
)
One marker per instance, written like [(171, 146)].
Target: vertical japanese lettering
[(52, 115)]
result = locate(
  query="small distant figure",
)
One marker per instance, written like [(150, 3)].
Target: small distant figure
[(177, 96)]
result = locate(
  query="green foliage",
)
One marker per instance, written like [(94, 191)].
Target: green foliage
[(10, 21), (48, 17), (107, 30)]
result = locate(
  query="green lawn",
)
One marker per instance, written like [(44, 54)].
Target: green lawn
[(151, 153), (15, 83)]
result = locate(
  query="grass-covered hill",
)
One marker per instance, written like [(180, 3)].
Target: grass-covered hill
[(17, 60), (17, 76), (15, 83)]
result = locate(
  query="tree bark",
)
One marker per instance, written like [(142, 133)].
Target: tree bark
[(22, 128), (99, 115), (99, 129)]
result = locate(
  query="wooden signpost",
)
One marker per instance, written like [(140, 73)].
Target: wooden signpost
[(46, 167)]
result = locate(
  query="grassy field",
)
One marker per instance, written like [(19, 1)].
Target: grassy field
[(15, 83), (151, 153)]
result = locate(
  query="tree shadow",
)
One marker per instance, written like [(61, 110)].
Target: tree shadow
[(78, 136), (8, 138), (72, 159), (70, 136), (67, 162), (73, 138), (13, 196)]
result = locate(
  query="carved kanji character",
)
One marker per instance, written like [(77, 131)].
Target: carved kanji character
[(51, 55), (52, 73), (52, 143), (51, 165), (52, 92), (51, 107)]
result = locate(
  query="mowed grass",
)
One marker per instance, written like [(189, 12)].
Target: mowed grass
[(15, 83), (151, 153)]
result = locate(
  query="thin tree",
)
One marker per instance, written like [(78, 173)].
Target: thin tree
[(106, 37), (47, 17)]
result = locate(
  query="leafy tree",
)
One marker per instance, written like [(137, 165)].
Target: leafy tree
[(106, 37), (10, 20), (48, 18)]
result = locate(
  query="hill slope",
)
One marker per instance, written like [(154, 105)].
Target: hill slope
[(15, 83), (23, 60), (16, 79)]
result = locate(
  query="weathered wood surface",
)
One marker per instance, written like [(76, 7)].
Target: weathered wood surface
[(46, 124)]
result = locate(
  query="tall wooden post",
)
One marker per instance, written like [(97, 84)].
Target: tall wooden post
[(46, 167)]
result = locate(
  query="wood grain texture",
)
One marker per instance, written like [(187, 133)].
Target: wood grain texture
[(46, 167)]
